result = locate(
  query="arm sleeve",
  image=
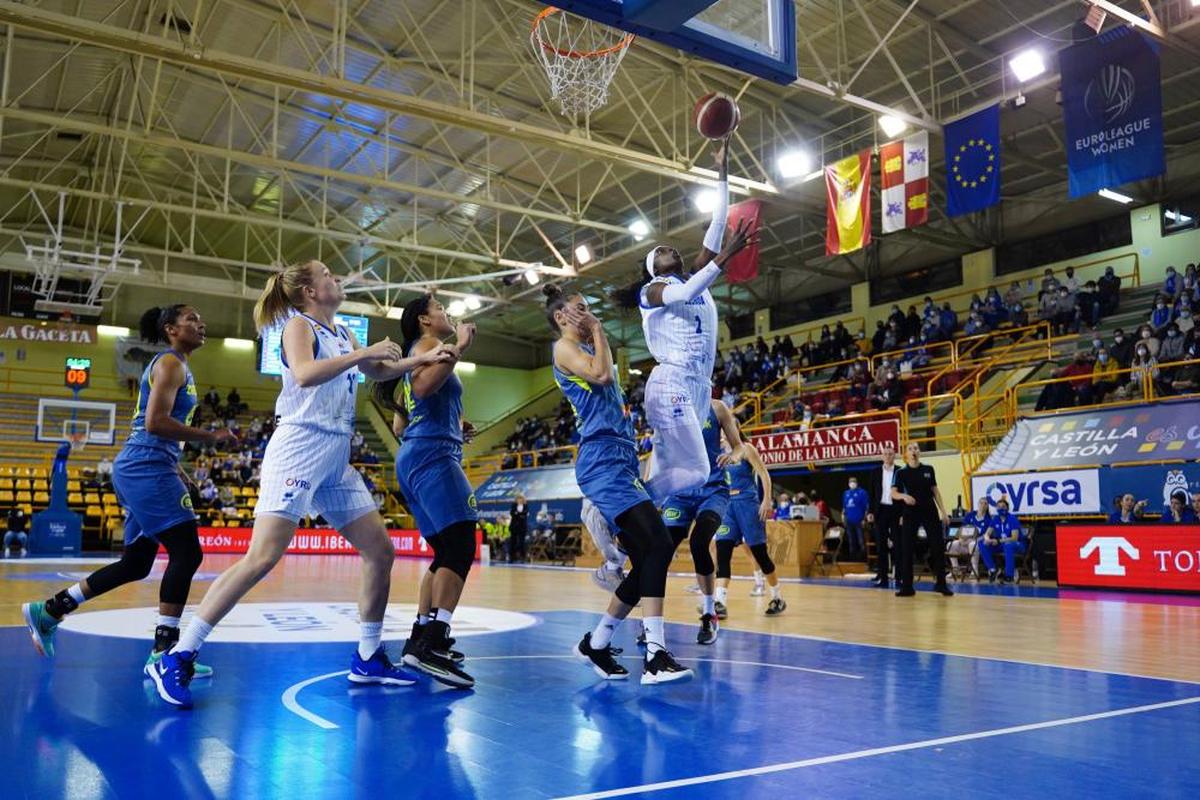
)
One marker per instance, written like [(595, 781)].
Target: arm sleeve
[(695, 286), (715, 234)]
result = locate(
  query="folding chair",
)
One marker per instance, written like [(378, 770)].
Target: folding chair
[(570, 546), (831, 545), (1025, 564), (968, 552)]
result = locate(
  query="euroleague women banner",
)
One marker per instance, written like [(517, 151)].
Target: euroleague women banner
[(848, 214), (1112, 106)]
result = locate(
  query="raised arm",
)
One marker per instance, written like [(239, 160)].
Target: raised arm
[(716, 229), (427, 380), (663, 294)]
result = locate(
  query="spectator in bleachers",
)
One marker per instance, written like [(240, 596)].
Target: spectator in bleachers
[(1047, 306), (213, 400), (1195, 509), (1018, 315), (1110, 291), (892, 335), (1122, 349), (783, 506), (862, 344), (1160, 315), (208, 493), (1066, 312), (1003, 534), (1070, 281), (975, 325), (1177, 511), (225, 496), (1143, 364), (1172, 285), (1063, 394), (896, 316), (948, 321), (15, 535), (1014, 295), (892, 395), (855, 504), (1104, 375), (1128, 512), (929, 311), (1049, 282), (1185, 320), (1171, 349), (912, 322), (879, 337), (234, 401), (200, 469), (1089, 305), (104, 470), (994, 311), (1147, 337), (245, 471), (1186, 379)]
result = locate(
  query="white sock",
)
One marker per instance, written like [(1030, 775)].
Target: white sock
[(370, 634), (656, 639), (170, 622), (76, 593), (444, 616), (709, 604), (758, 577), (602, 636), (193, 636), (722, 594), (775, 592), (615, 566), (422, 619)]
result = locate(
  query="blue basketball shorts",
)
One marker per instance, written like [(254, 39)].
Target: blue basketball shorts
[(147, 483), (607, 473), (742, 523), (435, 487), (681, 510)]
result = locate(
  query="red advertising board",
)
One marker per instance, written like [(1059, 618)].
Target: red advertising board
[(319, 541), (1155, 557), (858, 441)]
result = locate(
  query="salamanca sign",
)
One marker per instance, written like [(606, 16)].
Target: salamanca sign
[(860, 441)]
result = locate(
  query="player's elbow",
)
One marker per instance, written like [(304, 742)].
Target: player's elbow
[(603, 379), (155, 425)]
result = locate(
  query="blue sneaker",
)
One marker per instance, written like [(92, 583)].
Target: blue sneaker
[(378, 669), (41, 626), (198, 670), (172, 676)]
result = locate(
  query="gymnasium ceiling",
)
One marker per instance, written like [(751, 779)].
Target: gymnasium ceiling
[(412, 141)]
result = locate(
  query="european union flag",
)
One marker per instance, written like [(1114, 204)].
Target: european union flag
[(973, 162)]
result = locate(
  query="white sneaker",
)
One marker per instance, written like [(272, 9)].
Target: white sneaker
[(608, 577), (758, 591)]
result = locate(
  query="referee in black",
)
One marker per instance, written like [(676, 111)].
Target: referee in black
[(915, 485)]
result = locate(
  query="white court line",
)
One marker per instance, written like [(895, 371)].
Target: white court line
[(292, 704), (878, 751), (44, 560), (289, 700)]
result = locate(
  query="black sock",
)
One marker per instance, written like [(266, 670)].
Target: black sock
[(61, 604), (164, 637)]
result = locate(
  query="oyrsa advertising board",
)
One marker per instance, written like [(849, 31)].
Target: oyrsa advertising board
[(319, 541), (1153, 557), (859, 441)]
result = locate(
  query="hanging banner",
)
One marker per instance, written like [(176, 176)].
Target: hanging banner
[(1154, 557), (861, 441), (1112, 107), (58, 332), (904, 183), (848, 209), (1158, 432), (744, 266), (973, 162)]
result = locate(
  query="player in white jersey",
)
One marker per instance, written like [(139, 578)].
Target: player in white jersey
[(679, 320), (306, 470)]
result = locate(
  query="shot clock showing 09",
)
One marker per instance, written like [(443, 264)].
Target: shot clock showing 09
[(78, 373)]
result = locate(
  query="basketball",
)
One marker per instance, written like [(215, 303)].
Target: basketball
[(716, 115)]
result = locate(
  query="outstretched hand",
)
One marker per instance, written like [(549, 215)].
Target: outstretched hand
[(743, 236)]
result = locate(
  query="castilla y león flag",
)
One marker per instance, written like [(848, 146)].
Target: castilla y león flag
[(744, 266), (848, 214), (904, 182)]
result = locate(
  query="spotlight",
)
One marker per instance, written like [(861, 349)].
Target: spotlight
[(473, 302), (640, 229), (582, 254), (892, 126), (532, 277), (456, 308), (1027, 65), (1116, 197), (794, 164), (705, 200)]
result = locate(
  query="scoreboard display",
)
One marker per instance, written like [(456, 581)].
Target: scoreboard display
[(78, 373)]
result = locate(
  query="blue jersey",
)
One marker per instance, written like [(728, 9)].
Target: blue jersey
[(1005, 525), (743, 483), (712, 445), (979, 523), (436, 417), (182, 409), (600, 411)]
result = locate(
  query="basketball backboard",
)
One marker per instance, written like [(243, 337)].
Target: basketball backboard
[(755, 36)]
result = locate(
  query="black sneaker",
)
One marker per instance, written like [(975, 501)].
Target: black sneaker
[(413, 638), (991, 576), (709, 628), (444, 647), (776, 606), (601, 659), (719, 607), (906, 591), (424, 656), (663, 668), (641, 639), (943, 589)]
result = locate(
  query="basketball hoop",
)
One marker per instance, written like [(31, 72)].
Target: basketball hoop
[(580, 57), (77, 440)]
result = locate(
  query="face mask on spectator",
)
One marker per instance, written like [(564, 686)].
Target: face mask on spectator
[(1162, 305), (1118, 338), (1172, 333), (1143, 352), (853, 484), (1104, 358), (891, 376), (1145, 334), (1097, 342)]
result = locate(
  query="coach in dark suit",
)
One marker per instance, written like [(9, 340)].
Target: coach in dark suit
[(884, 512)]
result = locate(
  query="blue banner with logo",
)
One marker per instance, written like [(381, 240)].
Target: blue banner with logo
[(973, 162), (1154, 483), (1112, 107), (554, 486), (1164, 431)]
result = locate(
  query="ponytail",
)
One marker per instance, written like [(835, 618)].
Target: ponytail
[(283, 293), (384, 393), (152, 326), (556, 299), (410, 321)]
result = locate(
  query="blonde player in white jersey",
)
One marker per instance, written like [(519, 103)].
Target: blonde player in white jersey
[(679, 320), (306, 469)]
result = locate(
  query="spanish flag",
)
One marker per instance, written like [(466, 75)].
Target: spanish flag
[(848, 215)]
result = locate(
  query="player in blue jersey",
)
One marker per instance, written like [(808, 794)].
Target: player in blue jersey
[(746, 521), (608, 475), (429, 470), (306, 471), (151, 488), (702, 510)]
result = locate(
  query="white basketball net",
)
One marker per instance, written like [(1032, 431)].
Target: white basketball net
[(580, 57)]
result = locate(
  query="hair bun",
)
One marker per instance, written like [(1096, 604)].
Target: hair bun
[(551, 290)]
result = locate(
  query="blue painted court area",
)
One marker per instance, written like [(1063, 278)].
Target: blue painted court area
[(765, 716)]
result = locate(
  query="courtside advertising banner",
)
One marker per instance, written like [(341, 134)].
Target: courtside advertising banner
[(1154, 483), (1056, 492), (1153, 557), (319, 541), (1167, 431), (1112, 107), (861, 441)]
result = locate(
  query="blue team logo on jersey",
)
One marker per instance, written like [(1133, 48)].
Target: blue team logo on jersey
[(298, 483)]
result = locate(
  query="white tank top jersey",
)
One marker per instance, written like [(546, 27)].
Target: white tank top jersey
[(682, 334), (329, 406)]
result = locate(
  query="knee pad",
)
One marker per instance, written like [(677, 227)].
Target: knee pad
[(678, 534), (627, 592), (183, 547), (724, 558), (454, 548), (763, 558), (702, 536)]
